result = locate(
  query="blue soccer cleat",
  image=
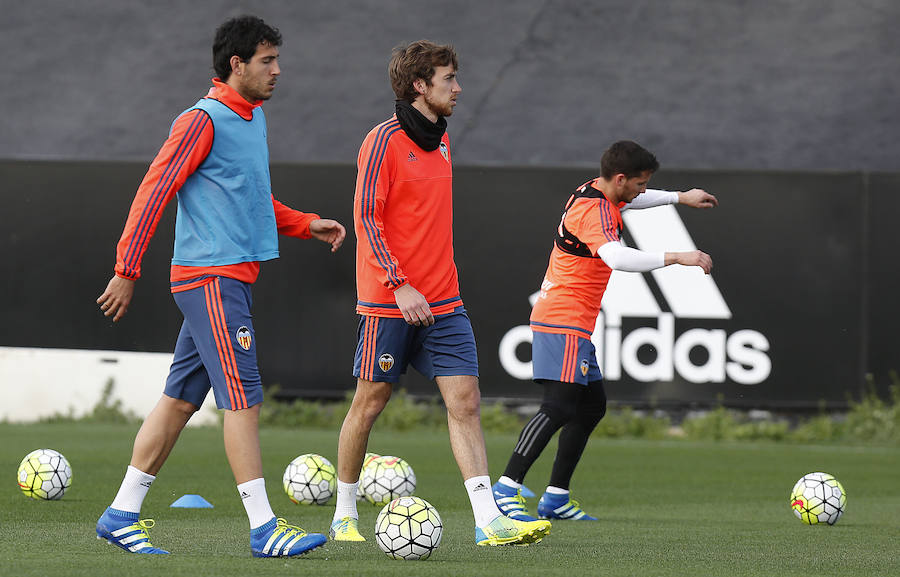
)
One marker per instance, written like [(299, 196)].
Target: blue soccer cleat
[(511, 502), (124, 530), (561, 507), (506, 531), (278, 539)]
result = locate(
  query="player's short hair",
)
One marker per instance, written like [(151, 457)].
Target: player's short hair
[(417, 60), (240, 36), (628, 158)]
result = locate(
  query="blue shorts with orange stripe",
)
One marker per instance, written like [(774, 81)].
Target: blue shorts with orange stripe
[(564, 357), (216, 347), (387, 346)]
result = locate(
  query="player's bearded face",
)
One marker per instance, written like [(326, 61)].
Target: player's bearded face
[(441, 94), (259, 74)]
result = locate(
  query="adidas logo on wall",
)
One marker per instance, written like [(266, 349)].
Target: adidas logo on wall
[(682, 293)]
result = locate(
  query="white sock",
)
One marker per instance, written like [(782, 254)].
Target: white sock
[(556, 490), (346, 500), (134, 488), (256, 502), (482, 498), (509, 482)]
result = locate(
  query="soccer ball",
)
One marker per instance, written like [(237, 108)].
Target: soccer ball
[(310, 479), (386, 478), (408, 528), (818, 498), (44, 474), (360, 496)]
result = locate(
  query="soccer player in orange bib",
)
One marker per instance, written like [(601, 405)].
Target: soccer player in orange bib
[(409, 304), (587, 249)]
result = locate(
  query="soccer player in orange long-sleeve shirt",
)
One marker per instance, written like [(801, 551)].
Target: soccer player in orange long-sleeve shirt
[(408, 292)]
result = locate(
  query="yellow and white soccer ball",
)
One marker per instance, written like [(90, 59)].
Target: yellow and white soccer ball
[(818, 498), (44, 474), (385, 478), (360, 496), (408, 528), (310, 479)]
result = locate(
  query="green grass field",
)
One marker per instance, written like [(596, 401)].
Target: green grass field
[(665, 508)]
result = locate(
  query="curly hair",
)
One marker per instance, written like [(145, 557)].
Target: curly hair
[(240, 36), (417, 60)]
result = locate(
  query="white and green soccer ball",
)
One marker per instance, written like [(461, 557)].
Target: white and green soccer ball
[(385, 478), (818, 498), (44, 474), (310, 479), (360, 496), (408, 528)]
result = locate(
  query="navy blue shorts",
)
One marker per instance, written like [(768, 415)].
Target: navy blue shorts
[(386, 346), (216, 347), (565, 358)]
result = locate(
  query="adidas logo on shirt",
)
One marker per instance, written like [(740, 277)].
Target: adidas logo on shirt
[(411, 157)]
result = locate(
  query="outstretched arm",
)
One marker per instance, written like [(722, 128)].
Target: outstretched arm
[(620, 257), (697, 198)]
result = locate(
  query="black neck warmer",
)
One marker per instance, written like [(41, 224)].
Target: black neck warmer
[(423, 132)]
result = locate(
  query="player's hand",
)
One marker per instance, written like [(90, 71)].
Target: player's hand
[(695, 258), (414, 307), (697, 198), (329, 231), (115, 299)]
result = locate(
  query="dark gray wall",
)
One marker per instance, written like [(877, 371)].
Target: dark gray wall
[(774, 84), (805, 259)]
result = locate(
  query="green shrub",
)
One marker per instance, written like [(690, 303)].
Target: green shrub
[(625, 422), (496, 418), (716, 425), (822, 428), (403, 413), (869, 420), (106, 410), (873, 420)]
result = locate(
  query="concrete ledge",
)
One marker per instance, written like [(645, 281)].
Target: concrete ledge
[(37, 383)]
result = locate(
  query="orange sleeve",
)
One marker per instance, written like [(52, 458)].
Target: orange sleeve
[(373, 183), (186, 148), (598, 225), (292, 222)]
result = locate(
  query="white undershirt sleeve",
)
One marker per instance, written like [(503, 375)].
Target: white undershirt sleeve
[(652, 197), (620, 257)]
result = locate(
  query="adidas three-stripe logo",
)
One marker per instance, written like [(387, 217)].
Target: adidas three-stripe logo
[(133, 536)]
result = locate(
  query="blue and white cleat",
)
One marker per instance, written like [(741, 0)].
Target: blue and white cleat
[(125, 530), (506, 531), (278, 539), (511, 502), (561, 507)]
